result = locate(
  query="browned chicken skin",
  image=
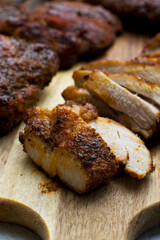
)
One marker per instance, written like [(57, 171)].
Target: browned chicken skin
[(71, 29), (24, 70)]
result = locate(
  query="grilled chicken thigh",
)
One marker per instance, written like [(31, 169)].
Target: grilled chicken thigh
[(82, 151), (63, 144), (143, 9), (25, 69), (71, 29)]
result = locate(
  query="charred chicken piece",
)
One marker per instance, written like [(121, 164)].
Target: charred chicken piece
[(71, 29), (24, 70), (63, 144), (13, 13), (124, 106), (145, 9)]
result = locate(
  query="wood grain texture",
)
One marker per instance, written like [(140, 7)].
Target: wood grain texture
[(113, 211)]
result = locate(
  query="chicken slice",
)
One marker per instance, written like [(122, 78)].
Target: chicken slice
[(147, 71), (118, 137), (63, 144), (81, 96)]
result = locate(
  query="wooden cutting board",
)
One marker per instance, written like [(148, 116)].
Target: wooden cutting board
[(118, 210)]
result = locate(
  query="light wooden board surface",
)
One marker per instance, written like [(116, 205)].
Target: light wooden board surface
[(107, 212)]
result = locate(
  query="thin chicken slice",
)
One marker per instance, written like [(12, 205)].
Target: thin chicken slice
[(148, 71), (117, 136), (63, 144)]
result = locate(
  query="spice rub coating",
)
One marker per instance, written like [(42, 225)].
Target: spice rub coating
[(72, 144), (24, 70)]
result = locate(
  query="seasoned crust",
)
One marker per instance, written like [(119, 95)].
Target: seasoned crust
[(62, 128)]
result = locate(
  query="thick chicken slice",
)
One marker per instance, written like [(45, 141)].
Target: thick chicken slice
[(117, 136), (147, 71), (63, 144)]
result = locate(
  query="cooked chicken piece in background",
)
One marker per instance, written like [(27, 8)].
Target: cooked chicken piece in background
[(143, 9), (136, 85), (25, 69), (149, 72), (13, 13), (63, 144), (71, 29)]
